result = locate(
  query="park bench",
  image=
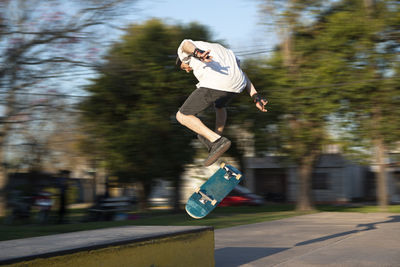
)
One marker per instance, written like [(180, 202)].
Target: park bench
[(110, 208)]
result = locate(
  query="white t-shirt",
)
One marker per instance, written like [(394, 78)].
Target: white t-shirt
[(222, 73)]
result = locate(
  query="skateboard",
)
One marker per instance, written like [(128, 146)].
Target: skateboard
[(213, 191)]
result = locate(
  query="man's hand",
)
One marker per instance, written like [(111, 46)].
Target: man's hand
[(260, 102), (202, 55)]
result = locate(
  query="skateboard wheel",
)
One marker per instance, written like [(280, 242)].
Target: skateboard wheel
[(238, 176), (222, 165), (197, 190), (213, 202)]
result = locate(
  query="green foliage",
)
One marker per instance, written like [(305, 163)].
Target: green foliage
[(344, 66), (338, 73), (368, 43), (132, 104)]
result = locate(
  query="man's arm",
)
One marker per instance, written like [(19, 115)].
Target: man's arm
[(189, 48), (258, 99)]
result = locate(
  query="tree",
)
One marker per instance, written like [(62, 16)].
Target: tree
[(40, 41), (372, 102), (132, 106), (297, 125), (335, 51), (361, 56)]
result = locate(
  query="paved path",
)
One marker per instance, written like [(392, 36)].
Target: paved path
[(322, 239)]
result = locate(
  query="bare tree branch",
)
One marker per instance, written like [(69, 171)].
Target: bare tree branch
[(40, 41)]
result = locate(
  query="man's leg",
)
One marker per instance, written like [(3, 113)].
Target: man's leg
[(198, 101), (218, 144), (220, 120), (197, 126)]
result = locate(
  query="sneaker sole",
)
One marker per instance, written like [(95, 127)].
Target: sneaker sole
[(210, 160)]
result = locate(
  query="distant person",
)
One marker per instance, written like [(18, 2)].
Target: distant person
[(220, 79)]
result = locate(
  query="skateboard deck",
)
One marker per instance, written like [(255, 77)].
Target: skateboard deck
[(213, 191)]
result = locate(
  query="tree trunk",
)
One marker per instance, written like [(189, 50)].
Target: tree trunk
[(287, 51), (5, 128), (3, 182), (369, 6), (378, 142), (381, 181), (304, 202)]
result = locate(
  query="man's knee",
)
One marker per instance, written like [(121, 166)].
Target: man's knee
[(180, 117)]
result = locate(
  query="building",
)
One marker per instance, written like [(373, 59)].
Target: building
[(335, 179)]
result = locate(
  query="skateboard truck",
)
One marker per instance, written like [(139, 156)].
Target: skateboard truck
[(229, 173), (205, 197)]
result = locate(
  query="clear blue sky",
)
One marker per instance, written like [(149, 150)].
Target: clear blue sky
[(237, 22)]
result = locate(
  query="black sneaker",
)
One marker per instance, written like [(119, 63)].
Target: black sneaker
[(217, 149), (205, 142)]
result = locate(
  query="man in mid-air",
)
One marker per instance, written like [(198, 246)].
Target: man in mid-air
[(220, 79)]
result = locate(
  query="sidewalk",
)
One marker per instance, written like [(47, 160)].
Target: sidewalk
[(322, 239)]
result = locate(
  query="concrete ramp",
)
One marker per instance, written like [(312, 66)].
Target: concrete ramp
[(147, 246)]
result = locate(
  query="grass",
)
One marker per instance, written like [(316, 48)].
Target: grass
[(362, 209), (220, 218)]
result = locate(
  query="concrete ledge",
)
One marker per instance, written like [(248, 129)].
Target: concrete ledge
[(121, 246)]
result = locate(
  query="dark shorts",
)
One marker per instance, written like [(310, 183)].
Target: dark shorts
[(201, 98)]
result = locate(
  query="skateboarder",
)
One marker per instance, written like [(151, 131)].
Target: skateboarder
[(220, 79)]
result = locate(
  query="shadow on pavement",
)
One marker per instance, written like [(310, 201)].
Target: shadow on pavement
[(368, 227), (236, 256)]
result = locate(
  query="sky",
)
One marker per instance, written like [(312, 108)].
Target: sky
[(237, 22)]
